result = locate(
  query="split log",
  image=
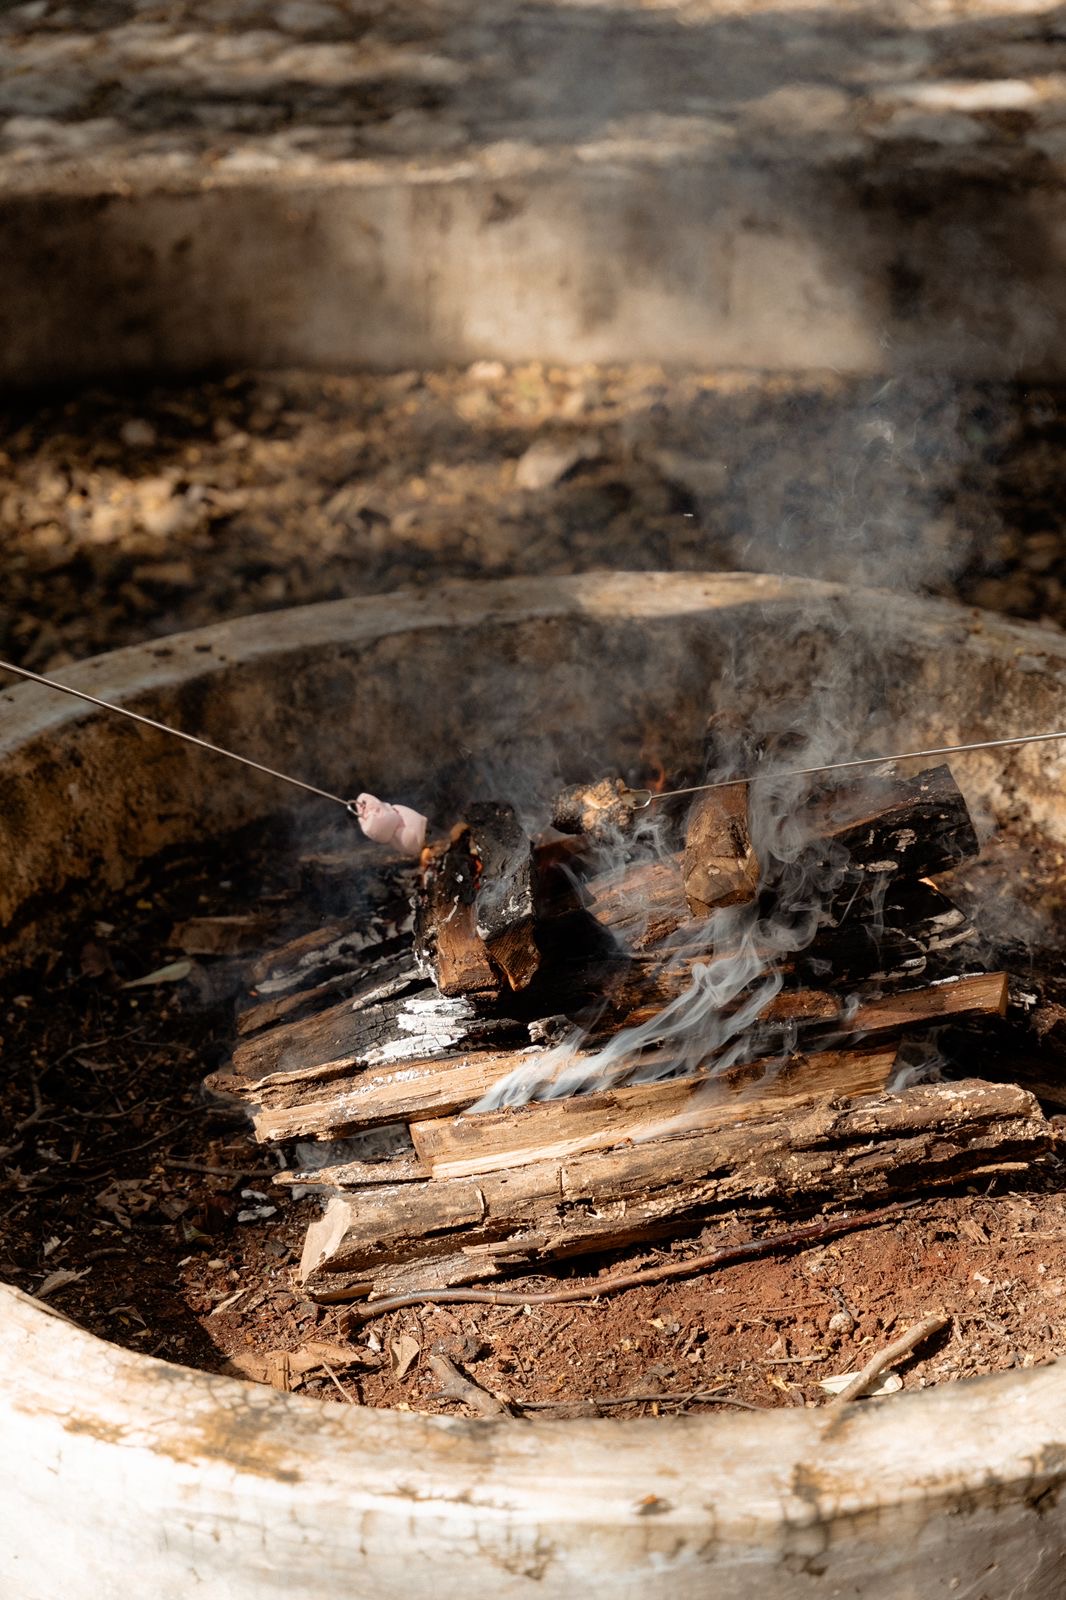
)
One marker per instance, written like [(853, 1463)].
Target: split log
[(325, 952), (918, 932), (446, 938), (375, 980), (718, 865), (507, 893), (1028, 1046), (485, 1141), (377, 1096), (412, 1022), (894, 831), (404, 1168), (461, 1230), (898, 827), (862, 1012), (552, 1130), (337, 1096)]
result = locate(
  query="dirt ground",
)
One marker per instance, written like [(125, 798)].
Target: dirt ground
[(126, 515)]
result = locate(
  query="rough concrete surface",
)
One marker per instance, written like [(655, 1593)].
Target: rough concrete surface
[(795, 185)]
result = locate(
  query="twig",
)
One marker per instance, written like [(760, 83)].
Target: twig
[(888, 1357), (221, 1172), (455, 1385), (790, 1361), (709, 1396), (770, 1244), (344, 1393)]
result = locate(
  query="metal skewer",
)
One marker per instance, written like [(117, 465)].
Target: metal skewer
[(640, 799), (176, 733)]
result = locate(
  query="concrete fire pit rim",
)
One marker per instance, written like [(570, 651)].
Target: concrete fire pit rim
[(781, 1465), (29, 710), (761, 1481)]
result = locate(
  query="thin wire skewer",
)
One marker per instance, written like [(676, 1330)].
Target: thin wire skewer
[(176, 733), (639, 803), (639, 799)]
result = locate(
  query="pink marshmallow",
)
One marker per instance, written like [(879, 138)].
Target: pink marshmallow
[(399, 826), (410, 836)]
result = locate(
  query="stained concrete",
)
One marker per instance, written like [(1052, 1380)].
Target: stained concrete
[(224, 182)]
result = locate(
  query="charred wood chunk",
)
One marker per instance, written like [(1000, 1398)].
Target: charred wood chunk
[(915, 931), (507, 892), (446, 937), (898, 827), (599, 810), (719, 865)]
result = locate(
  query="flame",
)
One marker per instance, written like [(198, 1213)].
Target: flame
[(656, 781)]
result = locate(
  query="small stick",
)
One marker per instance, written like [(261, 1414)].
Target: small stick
[(221, 1172), (708, 1396), (344, 1393), (455, 1385), (828, 1228), (868, 1376)]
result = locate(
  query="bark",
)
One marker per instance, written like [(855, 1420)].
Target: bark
[(718, 865), (461, 1230)]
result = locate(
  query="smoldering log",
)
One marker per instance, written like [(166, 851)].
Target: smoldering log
[(917, 827), (861, 1012), (395, 1074), (507, 893), (1028, 1046), (894, 828), (446, 938), (370, 984), (479, 904), (718, 865), (462, 1230)]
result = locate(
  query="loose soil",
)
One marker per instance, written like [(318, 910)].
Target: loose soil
[(147, 1214), (127, 514)]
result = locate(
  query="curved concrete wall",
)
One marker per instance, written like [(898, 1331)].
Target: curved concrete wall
[(780, 187), (127, 1474)]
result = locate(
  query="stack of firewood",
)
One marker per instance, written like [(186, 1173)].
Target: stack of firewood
[(525, 959)]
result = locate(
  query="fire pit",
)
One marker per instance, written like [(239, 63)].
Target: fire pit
[(181, 1478)]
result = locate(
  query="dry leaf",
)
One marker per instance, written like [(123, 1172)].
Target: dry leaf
[(59, 1280), (403, 1352), (891, 1383), (172, 973), (221, 936), (287, 1369)]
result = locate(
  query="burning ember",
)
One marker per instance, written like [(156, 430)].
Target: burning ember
[(638, 1018)]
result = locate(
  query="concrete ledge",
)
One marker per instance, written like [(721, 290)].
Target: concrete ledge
[(780, 188)]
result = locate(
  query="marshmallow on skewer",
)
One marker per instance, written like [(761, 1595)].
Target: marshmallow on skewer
[(399, 826)]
